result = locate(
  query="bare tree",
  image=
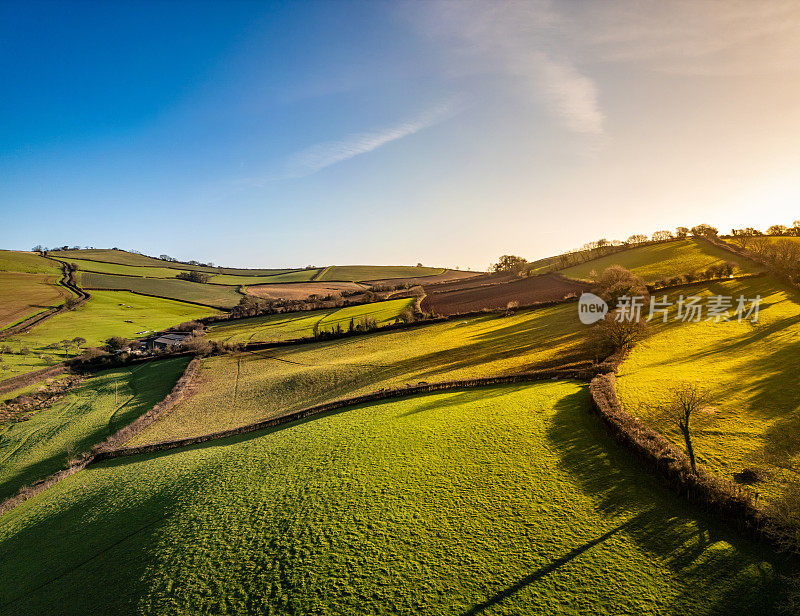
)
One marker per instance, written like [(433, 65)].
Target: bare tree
[(685, 401), (611, 335)]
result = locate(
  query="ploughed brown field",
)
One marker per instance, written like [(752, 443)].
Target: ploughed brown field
[(446, 276), (302, 290), (496, 291)]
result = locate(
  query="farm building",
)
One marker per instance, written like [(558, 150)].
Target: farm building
[(165, 341)]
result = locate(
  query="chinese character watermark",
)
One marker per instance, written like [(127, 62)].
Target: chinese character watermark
[(687, 309)]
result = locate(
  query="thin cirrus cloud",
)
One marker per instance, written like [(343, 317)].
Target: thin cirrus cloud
[(515, 39), (322, 155)]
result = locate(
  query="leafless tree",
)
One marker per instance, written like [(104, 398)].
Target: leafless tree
[(686, 400)]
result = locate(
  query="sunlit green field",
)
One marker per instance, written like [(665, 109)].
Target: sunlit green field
[(751, 370), (356, 273), (660, 261), (240, 389), (32, 449), (290, 326), (106, 314), (504, 500)]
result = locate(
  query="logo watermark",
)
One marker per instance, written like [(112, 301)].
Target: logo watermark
[(591, 308), (687, 309)]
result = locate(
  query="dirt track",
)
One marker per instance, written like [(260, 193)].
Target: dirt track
[(495, 292)]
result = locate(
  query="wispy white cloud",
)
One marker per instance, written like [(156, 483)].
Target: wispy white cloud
[(516, 39), (696, 37), (325, 154)]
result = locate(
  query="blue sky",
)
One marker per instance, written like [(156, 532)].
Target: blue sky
[(268, 134)]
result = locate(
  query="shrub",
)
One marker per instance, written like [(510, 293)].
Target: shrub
[(194, 276)]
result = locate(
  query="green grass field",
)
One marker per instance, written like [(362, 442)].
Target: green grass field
[(27, 263), (356, 273), (217, 296), (280, 327), (33, 449), (660, 261), (106, 314), (240, 389), (504, 500), (751, 370)]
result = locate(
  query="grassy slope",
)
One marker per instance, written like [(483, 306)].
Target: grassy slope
[(129, 258), (32, 449), (124, 270), (355, 273), (103, 316), (171, 288), (24, 295), (28, 285), (26, 262), (246, 277), (662, 260), (750, 369), (279, 327), (236, 390), (506, 500)]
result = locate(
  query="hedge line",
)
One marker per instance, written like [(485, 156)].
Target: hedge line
[(725, 498), (385, 394)]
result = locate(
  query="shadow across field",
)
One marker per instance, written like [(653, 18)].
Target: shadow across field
[(543, 571), (702, 552)]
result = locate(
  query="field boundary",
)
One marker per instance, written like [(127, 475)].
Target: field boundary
[(29, 378), (581, 374)]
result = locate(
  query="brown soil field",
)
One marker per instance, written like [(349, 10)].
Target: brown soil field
[(301, 290), (447, 276), (495, 292), (26, 294)]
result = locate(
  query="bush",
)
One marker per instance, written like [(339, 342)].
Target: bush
[(616, 281), (116, 343), (194, 276)]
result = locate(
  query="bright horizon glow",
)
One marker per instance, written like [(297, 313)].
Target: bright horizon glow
[(447, 133)]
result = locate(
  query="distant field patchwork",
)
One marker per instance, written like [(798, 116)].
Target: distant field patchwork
[(106, 314), (356, 273), (289, 326), (122, 257), (217, 296)]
